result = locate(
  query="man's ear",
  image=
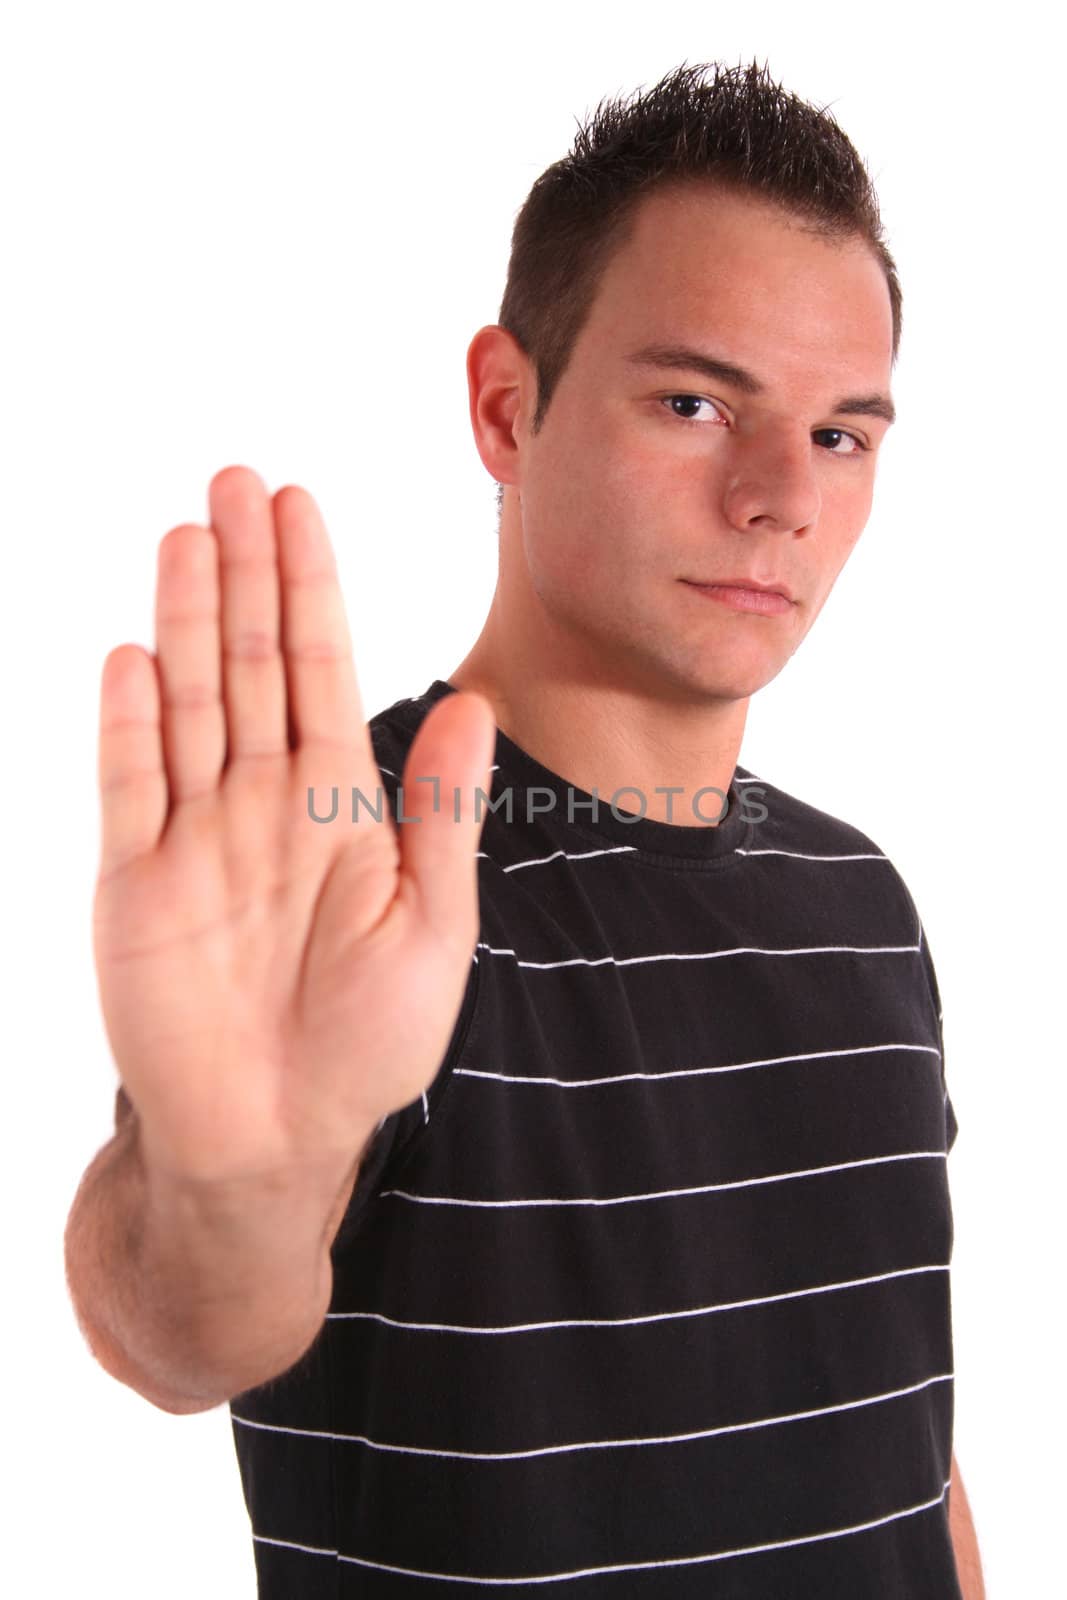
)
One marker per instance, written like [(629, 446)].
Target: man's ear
[(502, 388)]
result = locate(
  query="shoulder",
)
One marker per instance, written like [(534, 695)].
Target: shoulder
[(392, 733), (794, 828), (394, 727), (792, 822)]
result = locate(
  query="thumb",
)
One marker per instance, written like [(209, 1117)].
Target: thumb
[(449, 763)]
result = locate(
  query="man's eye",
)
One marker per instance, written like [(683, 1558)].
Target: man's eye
[(838, 434), (689, 399)]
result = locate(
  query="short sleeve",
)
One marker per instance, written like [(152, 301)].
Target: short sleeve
[(951, 1128), (951, 1125)]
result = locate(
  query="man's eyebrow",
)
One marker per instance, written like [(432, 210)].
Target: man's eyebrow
[(678, 356)]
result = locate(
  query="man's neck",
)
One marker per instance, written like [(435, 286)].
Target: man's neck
[(655, 753)]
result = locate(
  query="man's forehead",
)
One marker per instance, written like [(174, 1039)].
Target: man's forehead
[(749, 305), (691, 201), (721, 243), (751, 348)]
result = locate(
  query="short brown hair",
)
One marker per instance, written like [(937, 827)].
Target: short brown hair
[(739, 132)]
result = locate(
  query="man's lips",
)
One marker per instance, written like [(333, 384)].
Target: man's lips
[(740, 583), (744, 597)]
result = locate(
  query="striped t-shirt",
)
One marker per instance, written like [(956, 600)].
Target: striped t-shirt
[(648, 1295)]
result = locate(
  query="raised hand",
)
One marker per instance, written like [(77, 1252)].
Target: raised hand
[(272, 986)]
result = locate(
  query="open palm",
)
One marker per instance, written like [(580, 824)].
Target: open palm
[(271, 986)]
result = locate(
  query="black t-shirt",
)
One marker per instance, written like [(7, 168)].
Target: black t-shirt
[(649, 1294)]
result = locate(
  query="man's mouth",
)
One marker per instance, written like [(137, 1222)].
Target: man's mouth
[(742, 594)]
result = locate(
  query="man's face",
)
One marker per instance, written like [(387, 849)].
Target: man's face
[(646, 476)]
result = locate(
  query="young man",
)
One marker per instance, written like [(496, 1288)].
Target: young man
[(556, 1191)]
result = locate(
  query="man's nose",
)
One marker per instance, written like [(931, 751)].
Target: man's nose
[(772, 481)]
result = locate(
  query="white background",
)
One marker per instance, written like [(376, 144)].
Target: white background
[(265, 234)]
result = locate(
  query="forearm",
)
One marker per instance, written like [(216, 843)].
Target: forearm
[(189, 1296), (964, 1539)]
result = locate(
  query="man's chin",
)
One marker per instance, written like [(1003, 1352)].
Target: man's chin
[(734, 681)]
